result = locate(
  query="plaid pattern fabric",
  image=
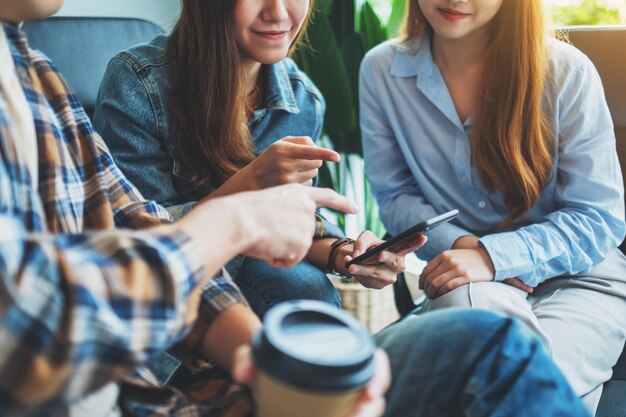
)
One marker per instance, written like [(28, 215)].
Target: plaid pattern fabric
[(206, 391), (80, 308)]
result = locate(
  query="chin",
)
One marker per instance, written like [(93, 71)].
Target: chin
[(452, 35), (272, 58), (36, 9)]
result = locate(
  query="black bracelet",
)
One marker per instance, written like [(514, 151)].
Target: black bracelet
[(334, 248)]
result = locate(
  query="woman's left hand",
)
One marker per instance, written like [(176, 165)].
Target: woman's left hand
[(454, 268), (383, 269)]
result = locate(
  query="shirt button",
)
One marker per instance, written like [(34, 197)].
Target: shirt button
[(482, 204), (465, 178)]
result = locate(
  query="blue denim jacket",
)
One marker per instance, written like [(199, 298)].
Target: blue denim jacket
[(132, 116)]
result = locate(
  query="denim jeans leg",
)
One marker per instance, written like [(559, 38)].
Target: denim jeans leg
[(472, 363), (264, 286)]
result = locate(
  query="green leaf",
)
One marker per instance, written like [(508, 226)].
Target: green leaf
[(324, 64), (350, 142), (372, 221), (371, 29), (342, 18), (324, 177), (324, 6), (397, 17), (588, 12), (332, 62), (352, 52)]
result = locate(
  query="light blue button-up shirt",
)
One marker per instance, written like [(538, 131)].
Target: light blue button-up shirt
[(418, 160)]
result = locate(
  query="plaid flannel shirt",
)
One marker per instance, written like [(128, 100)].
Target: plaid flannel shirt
[(83, 298)]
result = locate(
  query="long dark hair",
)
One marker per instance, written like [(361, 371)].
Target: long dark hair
[(207, 102)]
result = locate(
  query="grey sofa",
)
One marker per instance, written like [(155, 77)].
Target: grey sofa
[(81, 47), (606, 47)]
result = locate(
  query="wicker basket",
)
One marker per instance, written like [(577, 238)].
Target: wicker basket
[(375, 308)]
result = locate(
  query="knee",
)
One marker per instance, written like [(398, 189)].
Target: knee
[(486, 331), (459, 329), (305, 281), (458, 297), (314, 284), (493, 296)]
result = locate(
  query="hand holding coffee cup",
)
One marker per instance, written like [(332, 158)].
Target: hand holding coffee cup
[(314, 360)]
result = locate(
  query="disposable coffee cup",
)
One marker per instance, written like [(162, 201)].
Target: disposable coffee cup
[(312, 359)]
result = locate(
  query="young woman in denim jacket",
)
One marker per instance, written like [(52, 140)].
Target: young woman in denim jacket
[(217, 108), (475, 108)]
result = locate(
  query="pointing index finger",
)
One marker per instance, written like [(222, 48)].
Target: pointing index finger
[(325, 197)]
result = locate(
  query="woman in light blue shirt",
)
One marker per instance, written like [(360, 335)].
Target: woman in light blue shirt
[(476, 109)]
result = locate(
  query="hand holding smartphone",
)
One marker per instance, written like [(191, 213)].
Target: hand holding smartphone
[(400, 240)]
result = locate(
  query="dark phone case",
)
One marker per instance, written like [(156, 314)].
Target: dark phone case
[(402, 237)]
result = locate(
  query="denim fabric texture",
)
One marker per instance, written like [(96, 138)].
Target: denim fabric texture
[(265, 286), (472, 363), (450, 363)]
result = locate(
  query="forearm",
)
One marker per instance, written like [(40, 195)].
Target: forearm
[(318, 254), (466, 242), (320, 251), (217, 230), (235, 184), (233, 327)]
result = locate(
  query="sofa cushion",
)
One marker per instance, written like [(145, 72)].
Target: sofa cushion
[(81, 47), (612, 401)]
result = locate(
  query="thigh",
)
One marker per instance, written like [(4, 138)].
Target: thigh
[(584, 317), (492, 296), (264, 286)]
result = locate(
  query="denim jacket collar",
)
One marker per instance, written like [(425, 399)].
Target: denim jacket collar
[(280, 95)]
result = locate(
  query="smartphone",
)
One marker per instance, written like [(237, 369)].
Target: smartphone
[(398, 240)]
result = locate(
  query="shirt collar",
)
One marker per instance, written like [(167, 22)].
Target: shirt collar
[(280, 95), (413, 59), (16, 38)]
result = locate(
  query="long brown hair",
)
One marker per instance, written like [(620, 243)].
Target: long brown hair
[(511, 141), (208, 98)]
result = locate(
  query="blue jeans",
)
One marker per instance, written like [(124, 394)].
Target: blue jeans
[(264, 286), (472, 363)]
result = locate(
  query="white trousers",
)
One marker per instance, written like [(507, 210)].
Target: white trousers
[(581, 318)]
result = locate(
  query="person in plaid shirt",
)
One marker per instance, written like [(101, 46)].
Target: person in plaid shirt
[(95, 282), (86, 296)]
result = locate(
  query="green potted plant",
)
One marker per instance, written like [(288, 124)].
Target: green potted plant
[(340, 34)]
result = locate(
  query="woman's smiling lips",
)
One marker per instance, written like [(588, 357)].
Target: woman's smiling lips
[(273, 34), (451, 14)]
